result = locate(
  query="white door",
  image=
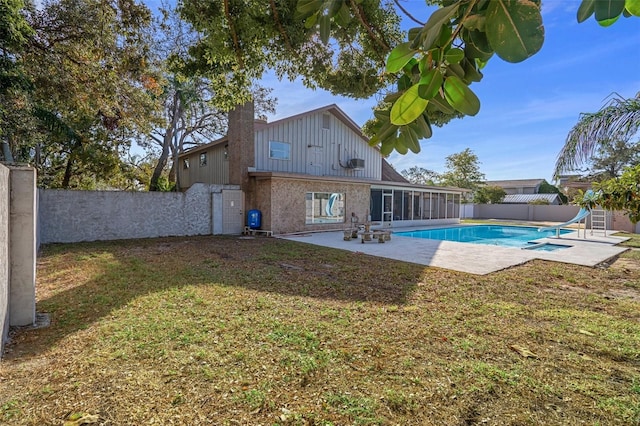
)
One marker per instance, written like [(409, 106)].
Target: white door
[(233, 211), (315, 155)]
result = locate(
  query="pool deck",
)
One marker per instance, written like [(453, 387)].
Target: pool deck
[(479, 259)]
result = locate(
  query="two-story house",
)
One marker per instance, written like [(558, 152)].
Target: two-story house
[(313, 171)]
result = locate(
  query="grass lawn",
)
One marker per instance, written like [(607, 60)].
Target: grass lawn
[(237, 331)]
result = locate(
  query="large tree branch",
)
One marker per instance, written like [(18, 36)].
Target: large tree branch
[(234, 36), (406, 12), (359, 12)]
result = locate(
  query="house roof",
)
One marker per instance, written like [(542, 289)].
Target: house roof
[(261, 124), (389, 174), (514, 183), (527, 198), (372, 182)]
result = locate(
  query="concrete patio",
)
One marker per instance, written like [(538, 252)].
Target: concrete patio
[(477, 259)]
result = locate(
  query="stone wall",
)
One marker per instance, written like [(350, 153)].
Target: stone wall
[(74, 216)]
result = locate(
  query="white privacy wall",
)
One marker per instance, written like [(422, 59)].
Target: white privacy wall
[(72, 216)]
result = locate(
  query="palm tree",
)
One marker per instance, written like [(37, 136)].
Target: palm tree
[(618, 120)]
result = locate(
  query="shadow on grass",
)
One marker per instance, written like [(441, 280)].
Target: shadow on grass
[(78, 284)]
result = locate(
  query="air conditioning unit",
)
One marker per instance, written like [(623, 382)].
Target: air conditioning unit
[(356, 163)]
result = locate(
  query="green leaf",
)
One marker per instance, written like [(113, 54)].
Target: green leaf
[(410, 139), (460, 97), (401, 145), (477, 45), (387, 130), (470, 71), (433, 27), (608, 22), (455, 69), (343, 17), (475, 22), (382, 114), (421, 127), (454, 56), (334, 8), (404, 82), (633, 7), (306, 8), (324, 21), (440, 104), (386, 146), (408, 107), (429, 85), (423, 122), (514, 29), (408, 67), (399, 57), (608, 9), (310, 22), (585, 10)]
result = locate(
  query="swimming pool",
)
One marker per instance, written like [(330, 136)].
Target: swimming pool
[(497, 235)]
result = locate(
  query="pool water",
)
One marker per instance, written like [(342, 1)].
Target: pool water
[(497, 235)]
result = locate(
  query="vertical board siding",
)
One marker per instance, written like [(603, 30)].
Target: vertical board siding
[(215, 172), (305, 134)]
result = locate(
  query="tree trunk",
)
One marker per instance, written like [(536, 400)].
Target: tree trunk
[(162, 162), (67, 172)]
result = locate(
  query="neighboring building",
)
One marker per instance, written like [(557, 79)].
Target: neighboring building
[(553, 199), (313, 171), (517, 186)]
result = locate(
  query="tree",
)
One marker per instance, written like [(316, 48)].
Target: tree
[(622, 193), (15, 33), (489, 194), (88, 62), (421, 176), (463, 171), (612, 158), (189, 116), (431, 71), (596, 133), (546, 188), (241, 39)]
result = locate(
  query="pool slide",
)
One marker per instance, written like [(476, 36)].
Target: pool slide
[(582, 213)]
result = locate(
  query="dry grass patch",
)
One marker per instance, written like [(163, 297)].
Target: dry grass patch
[(227, 331)]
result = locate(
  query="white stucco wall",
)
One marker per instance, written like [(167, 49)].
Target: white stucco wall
[(73, 216)]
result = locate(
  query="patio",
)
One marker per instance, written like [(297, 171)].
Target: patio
[(477, 259)]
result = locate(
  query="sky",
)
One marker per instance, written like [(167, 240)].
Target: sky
[(527, 109)]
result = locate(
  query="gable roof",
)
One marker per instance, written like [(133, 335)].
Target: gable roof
[(333, 109), (515, 183), (262, 124), (389, 174)]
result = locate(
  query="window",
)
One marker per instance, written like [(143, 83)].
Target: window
[(326, 121), (203, 159), (324, 207), (279, 150), (185, 163)]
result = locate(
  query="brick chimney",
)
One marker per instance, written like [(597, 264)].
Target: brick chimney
[(241, 145)]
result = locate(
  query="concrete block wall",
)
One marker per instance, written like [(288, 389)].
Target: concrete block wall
[(17, 248), (72, 216), (530, 212), (22, 245), (4, 254)]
